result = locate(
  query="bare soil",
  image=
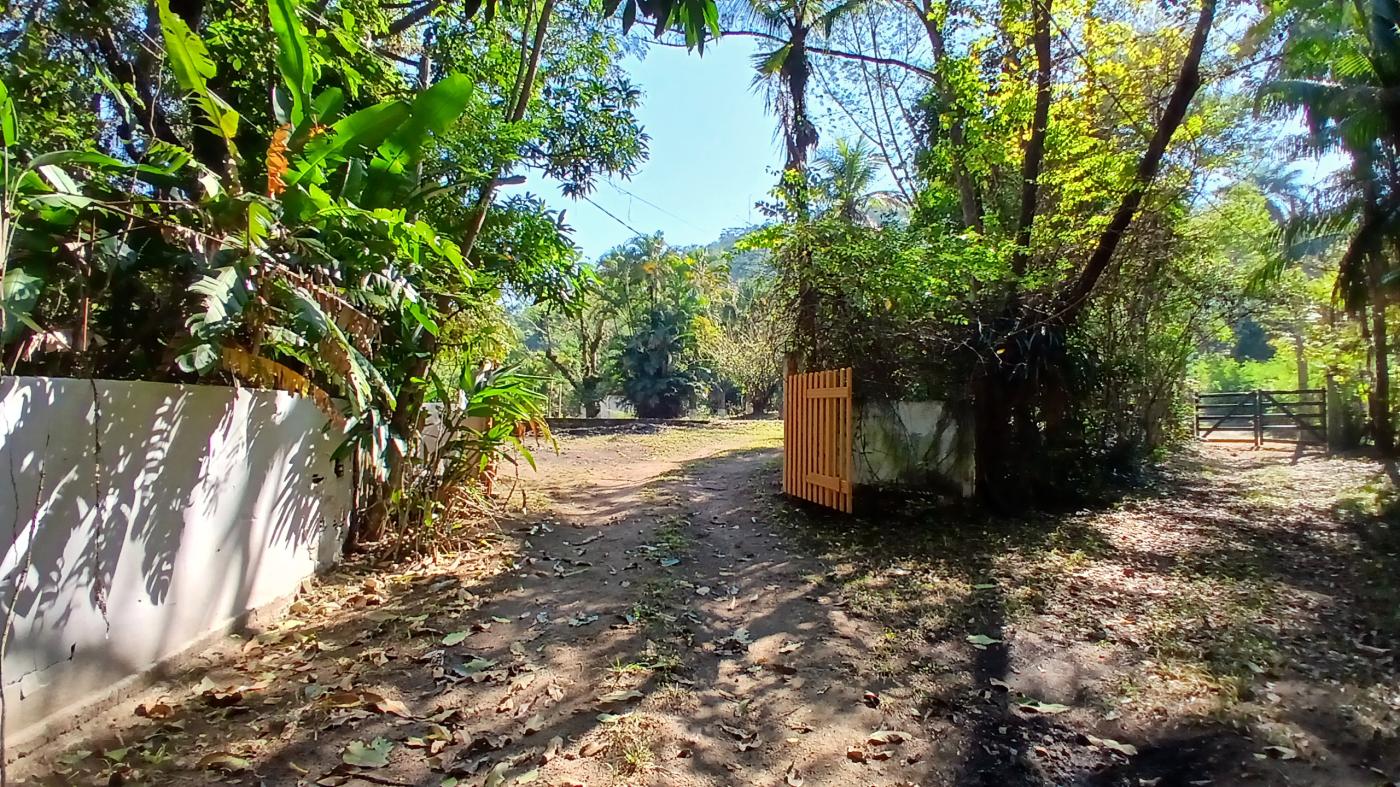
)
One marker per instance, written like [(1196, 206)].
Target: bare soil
[(662, 615)]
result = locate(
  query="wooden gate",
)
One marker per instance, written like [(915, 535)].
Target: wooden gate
[(817, 437), (1298, 416)]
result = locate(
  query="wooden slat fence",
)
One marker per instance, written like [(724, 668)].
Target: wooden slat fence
[(817, 424), (1297, 416)]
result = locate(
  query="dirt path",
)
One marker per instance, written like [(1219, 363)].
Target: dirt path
[(653, 621)]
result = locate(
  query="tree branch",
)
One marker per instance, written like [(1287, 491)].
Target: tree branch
[(1188, 81), (413, 17), (564, 371), (816, 50)]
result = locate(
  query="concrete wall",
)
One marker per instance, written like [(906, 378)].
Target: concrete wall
[(615, 407), (914, 444), (214, 502), (435, 430)]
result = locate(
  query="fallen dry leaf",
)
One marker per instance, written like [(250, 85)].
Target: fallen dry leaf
[(386, 705), (222, 761), (343, 699), (615, 697), (374, 754), (741, 734), (156, 710), (1126, 749), (551, 750), (591, 748)]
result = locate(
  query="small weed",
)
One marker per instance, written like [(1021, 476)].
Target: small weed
[(675, 698), (631, 741), (621, 670), (671, 536), (664, 663)]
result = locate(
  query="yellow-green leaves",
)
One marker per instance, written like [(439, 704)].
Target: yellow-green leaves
[(433, 111), (190, 61)]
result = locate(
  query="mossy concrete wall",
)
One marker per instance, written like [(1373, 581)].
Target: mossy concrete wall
[(914, 445)]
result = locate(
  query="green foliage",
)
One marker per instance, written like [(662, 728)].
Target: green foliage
[(742, 338), (310, 242), (652, 362), (893, 301), (193, 68), (1219, 372)]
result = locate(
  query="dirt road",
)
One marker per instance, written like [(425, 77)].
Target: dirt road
[(662, 616)]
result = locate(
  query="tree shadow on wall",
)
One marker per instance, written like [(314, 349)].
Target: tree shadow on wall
[(142, 515)]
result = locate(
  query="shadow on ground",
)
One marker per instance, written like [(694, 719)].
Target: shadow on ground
[(1226, 623)]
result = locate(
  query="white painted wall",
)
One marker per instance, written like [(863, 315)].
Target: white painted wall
[(614, 407), (214, 502), (435, 431), (917, 444)]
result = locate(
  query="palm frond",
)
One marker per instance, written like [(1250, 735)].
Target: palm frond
[(827, 21), (770, 64)]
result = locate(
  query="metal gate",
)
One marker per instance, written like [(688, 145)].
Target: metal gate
[(1297, 416), (817, 437)]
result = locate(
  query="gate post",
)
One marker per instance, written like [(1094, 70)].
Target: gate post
[(1258, 418)]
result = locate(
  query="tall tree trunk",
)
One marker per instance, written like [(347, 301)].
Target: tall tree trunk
[(1035, 147), (758, 402), (800, 135), (525, 91), (969, 205), (1300, 358), (406, 420), (1382, 428), (1009, 405)]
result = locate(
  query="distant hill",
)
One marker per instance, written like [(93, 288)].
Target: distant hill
[(744, 264)]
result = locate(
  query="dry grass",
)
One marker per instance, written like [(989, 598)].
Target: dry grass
[(630, 742)]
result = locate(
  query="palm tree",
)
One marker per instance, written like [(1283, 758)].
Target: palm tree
[(793, 25), (784, 70), (1351, 102), (847, 173)]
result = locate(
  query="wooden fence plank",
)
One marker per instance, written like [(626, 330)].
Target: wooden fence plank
[(788, 433), (828, 450), (818, 416), (848, 444), (809, 447), (804, 433), (818, 426), (828, 441)]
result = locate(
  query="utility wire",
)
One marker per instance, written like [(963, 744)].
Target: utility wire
[(612, 215), (651, 204)]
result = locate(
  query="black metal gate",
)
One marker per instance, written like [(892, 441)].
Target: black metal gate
[(1298, 416)]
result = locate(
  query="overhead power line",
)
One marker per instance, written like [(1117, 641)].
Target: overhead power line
[(653, 205), (612, 215)]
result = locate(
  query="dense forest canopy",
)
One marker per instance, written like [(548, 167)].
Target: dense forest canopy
[(1068, 215)]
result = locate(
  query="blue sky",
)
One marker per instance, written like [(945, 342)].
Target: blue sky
[(713, 153)]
